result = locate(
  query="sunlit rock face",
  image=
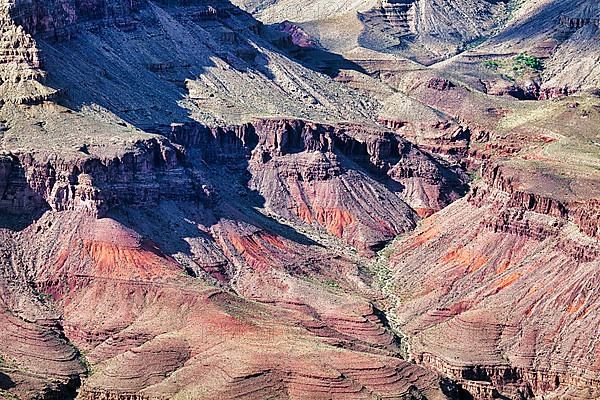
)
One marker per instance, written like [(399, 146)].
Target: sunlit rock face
[(343, 200)]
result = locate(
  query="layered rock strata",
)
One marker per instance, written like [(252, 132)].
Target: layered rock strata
[(511, 270)]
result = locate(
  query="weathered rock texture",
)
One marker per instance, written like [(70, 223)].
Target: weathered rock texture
[(424, 30), (20, 72), (429, 30), (512, 271), (148, 173), (336, 177), (190, 208), (138, 265), (149, 331), (333, 176)]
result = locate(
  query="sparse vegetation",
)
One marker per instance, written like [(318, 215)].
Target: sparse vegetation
[(4, 394), (45, 297), (380, 266), (516, 68), (332, 284), (491, 64), (523, 61), (86, 364), (474, 176)]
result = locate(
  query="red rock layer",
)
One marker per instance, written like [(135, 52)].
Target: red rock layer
[(497, 291), (335, 177), (149, 331), (35, 358), (585, 213)]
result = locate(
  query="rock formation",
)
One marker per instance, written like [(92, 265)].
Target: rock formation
[(511, 281), (196, 204)]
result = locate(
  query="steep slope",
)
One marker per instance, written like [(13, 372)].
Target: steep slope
[(196, 96), (518, 281), (565, 75), (149, 331), (190, 209), (513, 265), (561, 34), (148, 260), (422, 30)]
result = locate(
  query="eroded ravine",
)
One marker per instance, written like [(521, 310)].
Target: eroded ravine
[(295, 239)]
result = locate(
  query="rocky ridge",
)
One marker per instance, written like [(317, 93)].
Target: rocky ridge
[(229, 234), (498, 285)]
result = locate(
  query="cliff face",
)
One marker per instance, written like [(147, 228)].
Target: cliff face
[(324, 187), (582, 213), (326, 175), (20, 72), (511, 270), (429, 31), (151, 172), (188, 211)]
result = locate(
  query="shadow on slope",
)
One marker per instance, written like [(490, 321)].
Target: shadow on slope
[(545, 20), (20, 205), (5, 382), (172, 64), (171, 70), (140, 68)]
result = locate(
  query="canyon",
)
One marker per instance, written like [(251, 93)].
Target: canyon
[(282, 199)]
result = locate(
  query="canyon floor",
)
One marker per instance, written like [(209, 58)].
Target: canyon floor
[(283, 199)]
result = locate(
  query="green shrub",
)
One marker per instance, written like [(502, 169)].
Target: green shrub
[(332, 284), (524, 61), (491, 64), (45, 297)]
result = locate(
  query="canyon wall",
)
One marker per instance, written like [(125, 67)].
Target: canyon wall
[(150, 172), (512, 270), (326, 174)]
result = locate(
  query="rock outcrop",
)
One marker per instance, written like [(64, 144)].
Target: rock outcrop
[(427, 183), (190, 208), (20, 74), (150, 172), (181, 334), (580, 212), (511, 270), (313, 173)]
